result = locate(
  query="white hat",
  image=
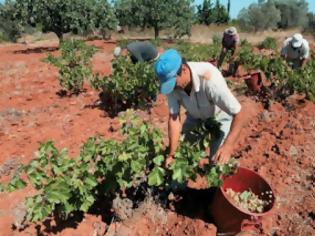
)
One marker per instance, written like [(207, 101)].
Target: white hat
[(231, 31), (297, 40), (117, 51)]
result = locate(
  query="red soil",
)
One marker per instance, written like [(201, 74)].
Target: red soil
[(278, 143)]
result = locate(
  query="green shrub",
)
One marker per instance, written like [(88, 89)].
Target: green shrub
[(198, 52), (245, 53), (129, 85), (9, 26), (8, 30), (124, 42), (250, 60), (268, 43), (217, 39), (287, 81), (74, 64), (302, 80), (105, 167), (277, 70)]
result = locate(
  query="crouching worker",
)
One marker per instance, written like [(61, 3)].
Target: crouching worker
[(138, 51), (230, 44), (201, 89), (295, 51)]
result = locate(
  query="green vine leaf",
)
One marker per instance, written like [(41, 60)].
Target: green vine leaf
[(156, 176)]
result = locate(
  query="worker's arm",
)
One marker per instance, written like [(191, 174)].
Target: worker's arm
[(234, 52), (226, 101), (305, 59), (283, 52), (174, 130), (224, 153), (303, 62)]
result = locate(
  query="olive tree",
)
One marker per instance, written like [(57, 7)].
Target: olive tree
[(273, 14), (311, 23), (64, 16), (176, 14), (209, 13), (204, 12), (9, 28), (293, 13), (261, 16)]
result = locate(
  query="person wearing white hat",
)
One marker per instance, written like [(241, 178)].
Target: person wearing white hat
[(230, 42), (138, 51), (295, 51)]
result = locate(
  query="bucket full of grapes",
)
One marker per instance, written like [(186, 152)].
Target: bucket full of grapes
[(241, 202)]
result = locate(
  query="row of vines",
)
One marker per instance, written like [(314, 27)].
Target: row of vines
[(124, 89), (106, 167)]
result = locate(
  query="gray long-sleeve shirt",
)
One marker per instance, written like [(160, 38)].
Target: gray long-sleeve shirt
[(142, 51)]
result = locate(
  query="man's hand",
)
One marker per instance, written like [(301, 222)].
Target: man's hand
[(203, 162), (289, 66), (231, 59), (223, 154), (174, 129), (304, 61), (169, 160)]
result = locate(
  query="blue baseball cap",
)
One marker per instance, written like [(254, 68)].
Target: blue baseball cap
[(166, 69)]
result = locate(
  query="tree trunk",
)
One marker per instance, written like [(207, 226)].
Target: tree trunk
[(156, 31), (60, 36), (229, 7)]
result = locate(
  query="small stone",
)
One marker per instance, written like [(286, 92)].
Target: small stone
[(265, 116), (20, 214), (171, 197), (293, 151)]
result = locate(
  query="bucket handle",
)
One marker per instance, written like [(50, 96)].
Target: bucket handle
[(254, 224)]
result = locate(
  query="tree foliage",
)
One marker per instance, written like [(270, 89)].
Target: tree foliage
[(129, 85), (64, 16), (209, 13), (272, 14), (9, 28), (74, 64), (204, 13), (268, 43), (311, 23), (174, 14), (261, 16), (293, 13)]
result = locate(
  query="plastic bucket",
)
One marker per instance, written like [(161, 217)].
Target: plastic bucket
[(254, 81), (228, 217)]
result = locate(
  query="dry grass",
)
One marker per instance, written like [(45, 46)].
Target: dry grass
[(204, 34), (200, 34)]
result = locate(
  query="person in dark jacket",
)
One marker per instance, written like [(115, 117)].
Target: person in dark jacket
[(139, 51), (230, 43)]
